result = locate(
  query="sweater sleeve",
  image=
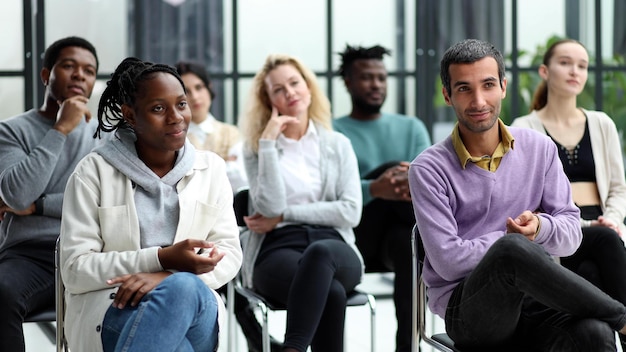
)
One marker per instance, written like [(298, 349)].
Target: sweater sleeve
[(615, 202), (266, 185), (25, 172)]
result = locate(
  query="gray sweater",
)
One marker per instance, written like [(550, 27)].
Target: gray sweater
[(35, 160), (341, 203)]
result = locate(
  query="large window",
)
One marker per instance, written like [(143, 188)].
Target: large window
[(13, 60), (232, 38)]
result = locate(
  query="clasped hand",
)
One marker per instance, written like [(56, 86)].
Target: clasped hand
[(260, 224), (526, 224), (393, 184), (190, 255)]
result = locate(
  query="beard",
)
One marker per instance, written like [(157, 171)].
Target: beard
[(365, 106), (480, 126)]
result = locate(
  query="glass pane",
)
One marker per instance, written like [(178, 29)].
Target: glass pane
[(613, 33), (614, 99), (391, 102), (228, 36), (244, 85), (373, 23), (11, 96), (98, 88), (294, 27), (229, 103), (530, 35), (106, 27), (409, 40), (411, 96), (341, 99), (12, 35)]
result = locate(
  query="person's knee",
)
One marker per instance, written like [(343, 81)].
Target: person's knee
[(185, 287), (610, 239), (591, 335), (513, 247), (9, 296), (317, 253)]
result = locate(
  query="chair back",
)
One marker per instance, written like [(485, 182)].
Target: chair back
[(240, 204)]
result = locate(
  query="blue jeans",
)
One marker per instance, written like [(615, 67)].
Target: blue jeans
[(180, 315), (518, 296)]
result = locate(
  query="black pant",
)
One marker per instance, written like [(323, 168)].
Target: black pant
[(26, 285), (518, 296), (384, 239), (601, 257), (309, 269)]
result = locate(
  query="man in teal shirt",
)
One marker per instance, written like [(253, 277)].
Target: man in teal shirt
[(384, 144)]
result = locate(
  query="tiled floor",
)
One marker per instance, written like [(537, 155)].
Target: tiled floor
[(357, 324)]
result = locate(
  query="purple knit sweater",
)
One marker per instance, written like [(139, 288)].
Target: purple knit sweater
[(461, 212)]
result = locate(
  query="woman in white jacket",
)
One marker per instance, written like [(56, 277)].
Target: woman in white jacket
[(148, 229), (591, 155)]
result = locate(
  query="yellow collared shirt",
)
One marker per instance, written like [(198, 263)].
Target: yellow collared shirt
[(487, 162)]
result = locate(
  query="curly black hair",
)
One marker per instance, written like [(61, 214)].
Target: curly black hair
[(353, 53), (51, 55)]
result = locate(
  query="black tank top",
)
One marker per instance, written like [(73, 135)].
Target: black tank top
[(578, 161)]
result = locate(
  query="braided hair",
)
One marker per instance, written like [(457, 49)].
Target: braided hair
[(123, 88), (354, 53)]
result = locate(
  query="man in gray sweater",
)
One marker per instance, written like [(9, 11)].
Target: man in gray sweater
[(38, 151)]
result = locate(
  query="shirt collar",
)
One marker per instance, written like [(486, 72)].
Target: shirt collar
[(311, 132), (205, 126), (506, 139)]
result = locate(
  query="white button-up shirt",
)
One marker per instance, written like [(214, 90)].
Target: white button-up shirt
[(300, 167)]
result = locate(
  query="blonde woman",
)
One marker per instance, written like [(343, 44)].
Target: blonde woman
[(305, 193)]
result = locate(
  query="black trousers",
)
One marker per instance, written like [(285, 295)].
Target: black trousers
[(26, 285), (309, 269), (601, 257)]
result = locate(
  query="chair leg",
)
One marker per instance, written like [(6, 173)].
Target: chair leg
[(371, 302), (266, 333), (230, 307)]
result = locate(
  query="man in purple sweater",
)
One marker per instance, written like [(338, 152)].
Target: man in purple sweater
[(494, 207)]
